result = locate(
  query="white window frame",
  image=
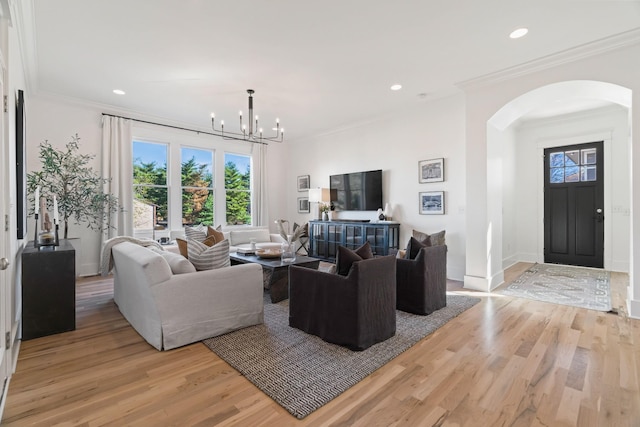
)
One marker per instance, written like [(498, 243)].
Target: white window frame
[(178, 139)]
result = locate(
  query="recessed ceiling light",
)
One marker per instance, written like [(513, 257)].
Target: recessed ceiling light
[(396, 87), (118, 92), (520, 32)]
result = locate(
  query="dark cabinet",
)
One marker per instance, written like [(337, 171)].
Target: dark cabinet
[(48, 290), (326, 236)]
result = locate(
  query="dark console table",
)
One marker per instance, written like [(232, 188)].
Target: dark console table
[(48, 290), (326, 236)]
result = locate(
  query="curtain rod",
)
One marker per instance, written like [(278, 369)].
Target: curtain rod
[(174, 127)]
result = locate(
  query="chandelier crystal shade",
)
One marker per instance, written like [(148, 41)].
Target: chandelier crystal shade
[(251, 132)]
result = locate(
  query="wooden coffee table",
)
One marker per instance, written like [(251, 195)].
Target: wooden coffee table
[(275, 272)]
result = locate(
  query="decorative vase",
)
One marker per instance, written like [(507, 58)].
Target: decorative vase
[(288, 252), (325, 216)]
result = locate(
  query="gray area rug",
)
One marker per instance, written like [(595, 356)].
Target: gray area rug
[(562, 284), (300, 371)]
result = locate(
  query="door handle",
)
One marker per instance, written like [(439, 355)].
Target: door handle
[(599, 215), (4, 263)]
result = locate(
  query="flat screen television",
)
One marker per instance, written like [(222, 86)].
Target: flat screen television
[(358, 191)]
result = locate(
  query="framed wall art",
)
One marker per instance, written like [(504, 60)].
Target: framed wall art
[(431, 170), (303, 183), (303, 205), (432, 203)]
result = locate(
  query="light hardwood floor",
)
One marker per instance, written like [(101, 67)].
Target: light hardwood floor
[(505, 362)]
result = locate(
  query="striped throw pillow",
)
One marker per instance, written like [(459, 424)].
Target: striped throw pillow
[(196, 233), (205, 257)]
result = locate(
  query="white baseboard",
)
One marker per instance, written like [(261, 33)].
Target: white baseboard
[(476, 283)]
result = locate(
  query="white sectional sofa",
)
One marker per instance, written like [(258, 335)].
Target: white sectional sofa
[(171, 310)]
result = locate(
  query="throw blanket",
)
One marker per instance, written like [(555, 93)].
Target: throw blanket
[(106, 264)]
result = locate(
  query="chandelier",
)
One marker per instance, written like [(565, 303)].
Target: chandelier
[(249, 133)]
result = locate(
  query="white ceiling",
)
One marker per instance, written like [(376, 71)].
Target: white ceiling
[(318, 66)]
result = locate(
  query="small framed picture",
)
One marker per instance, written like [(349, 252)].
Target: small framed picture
[(432, 203), (303, 183), (303, 205), (431, 170)]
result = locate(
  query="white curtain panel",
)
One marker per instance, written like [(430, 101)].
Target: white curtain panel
[(260, 204), (117, 167)]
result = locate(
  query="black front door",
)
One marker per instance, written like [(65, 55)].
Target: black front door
[(573, 205)]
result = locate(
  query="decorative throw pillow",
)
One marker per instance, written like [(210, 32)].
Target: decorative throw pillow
[(435, 239), (216, 233), (195, 233), (182, 247), (345, 257), (201, 233), (414, 247), (205, 257)]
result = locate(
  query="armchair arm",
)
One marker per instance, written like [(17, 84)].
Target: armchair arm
[(422, 282)]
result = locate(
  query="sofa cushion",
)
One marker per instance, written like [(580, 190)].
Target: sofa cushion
[(345, 257), (205, 257), (182, 245), (435, 239), (178, 263), (238, 237)]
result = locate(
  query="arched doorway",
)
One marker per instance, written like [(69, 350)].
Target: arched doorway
[(501, 134)]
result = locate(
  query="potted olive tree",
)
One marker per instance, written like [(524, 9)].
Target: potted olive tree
[(78, 188)]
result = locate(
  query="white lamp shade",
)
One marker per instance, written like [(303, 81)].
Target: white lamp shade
[(317, 195)]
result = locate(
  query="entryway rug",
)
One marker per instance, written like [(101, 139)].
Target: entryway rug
[(300, 371), (562, 284)]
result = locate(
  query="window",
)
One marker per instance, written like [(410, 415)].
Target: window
[(237, 185), (197, 186), (572, 166), (150, 190)]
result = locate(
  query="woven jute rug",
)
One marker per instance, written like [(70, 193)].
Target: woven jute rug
[(300, 371), (561, 284)]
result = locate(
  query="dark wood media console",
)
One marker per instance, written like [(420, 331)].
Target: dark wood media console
[(326, 236)]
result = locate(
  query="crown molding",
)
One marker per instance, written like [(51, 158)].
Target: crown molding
[(586, 50)]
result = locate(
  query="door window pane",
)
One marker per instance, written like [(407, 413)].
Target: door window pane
[(572, 158), (571, 174), (556, 160), (557, 175), (197, 186), (588, 173), (588, 156)]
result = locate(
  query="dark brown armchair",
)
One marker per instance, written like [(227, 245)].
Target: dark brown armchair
[(355, 311), (422, 282)]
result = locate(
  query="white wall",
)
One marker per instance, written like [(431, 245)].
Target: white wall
[(396, 144), (511, 193), (55, 121), (608, 124)]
